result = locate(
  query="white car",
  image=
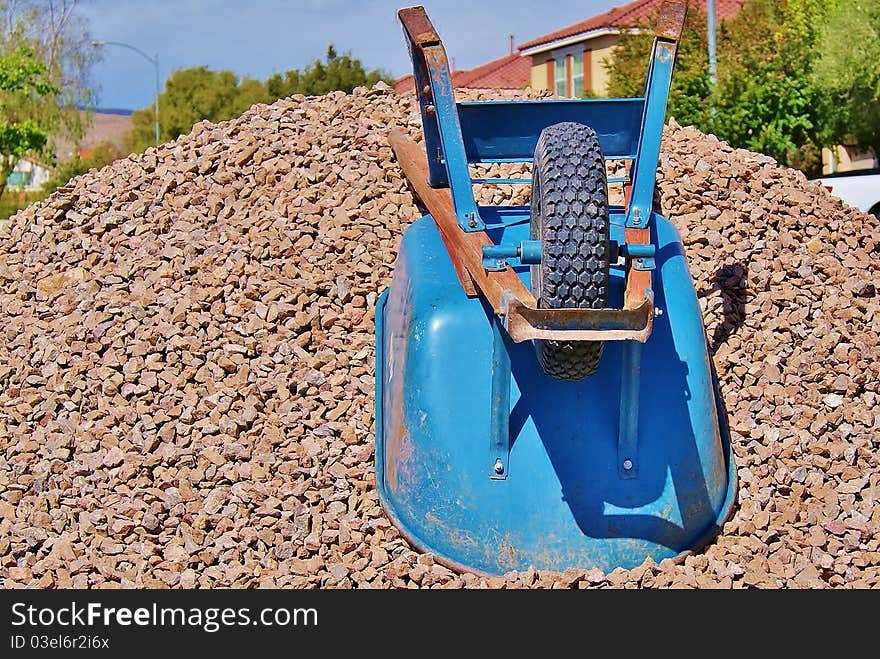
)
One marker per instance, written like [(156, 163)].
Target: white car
[(859, 188)]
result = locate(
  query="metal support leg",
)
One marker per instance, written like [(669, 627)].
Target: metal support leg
[(499, 424), (628, 439)]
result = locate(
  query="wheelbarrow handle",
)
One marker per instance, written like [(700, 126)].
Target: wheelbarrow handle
[(657, 84), (421, 35), (444, 145), (419, 29), (671, 21)]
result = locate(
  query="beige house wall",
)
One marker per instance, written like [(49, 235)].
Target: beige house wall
[(602, 50), (539, 70), (847, 159)]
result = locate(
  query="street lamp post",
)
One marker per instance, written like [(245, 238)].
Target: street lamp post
[(710, 20), (152, 60)]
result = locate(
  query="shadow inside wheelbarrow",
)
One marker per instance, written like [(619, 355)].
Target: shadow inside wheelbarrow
[(668, 502), (562, 502)]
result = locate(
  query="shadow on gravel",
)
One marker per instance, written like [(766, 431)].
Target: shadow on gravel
[(732, 282)]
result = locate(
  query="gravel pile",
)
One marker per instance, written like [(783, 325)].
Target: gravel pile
[(186, 370)]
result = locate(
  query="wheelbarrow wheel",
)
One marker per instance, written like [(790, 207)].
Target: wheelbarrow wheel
[(569, 209)]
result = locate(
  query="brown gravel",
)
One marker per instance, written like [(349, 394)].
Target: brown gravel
[(186, 394)]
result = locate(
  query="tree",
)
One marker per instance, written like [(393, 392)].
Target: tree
[(689, 94), (58, 35), (199, 93), (766, 98), (848, 73), (192, 95), (337, 72), (22, 76), (46, 60)]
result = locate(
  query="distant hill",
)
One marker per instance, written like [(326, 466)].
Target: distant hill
[(122, 111), (110, 125)]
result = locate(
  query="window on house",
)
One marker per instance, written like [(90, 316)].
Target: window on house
[(19, 179), (560, 76), (577, 75)]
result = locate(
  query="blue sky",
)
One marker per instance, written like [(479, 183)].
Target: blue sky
[(259, 37)]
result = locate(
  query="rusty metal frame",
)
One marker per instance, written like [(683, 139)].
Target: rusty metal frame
[(505, 291), (577, 324), (442, 162), (448, 163)]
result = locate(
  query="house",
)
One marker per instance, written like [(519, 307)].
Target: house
[(107, 127), (572, 61), (848, 158), (27, 176), (513, 71)]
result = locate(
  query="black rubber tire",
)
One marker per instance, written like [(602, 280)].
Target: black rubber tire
[(875, 211), (569, 209)]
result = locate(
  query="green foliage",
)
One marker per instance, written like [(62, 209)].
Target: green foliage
[(199, 93), (12, 202), (626, 70), (23, 79), (766, 98), (848, 72), (45, 58), (338, 72), (58, 35), (21, 72), (690, 85), (192, 95), (17, 140)]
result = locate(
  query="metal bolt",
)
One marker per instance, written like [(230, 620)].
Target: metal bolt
[(499, 466), (472, 223), (426, 89), (627, 464), (429, 109)]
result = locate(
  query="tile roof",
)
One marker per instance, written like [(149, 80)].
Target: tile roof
[(629, 15), (508, 72)]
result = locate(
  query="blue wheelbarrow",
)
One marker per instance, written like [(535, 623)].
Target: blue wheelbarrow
[(544, 393)]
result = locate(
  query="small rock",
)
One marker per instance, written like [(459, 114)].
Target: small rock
[(863, 289), (114, 457), (339, 572), (150, 522), (834, 400)]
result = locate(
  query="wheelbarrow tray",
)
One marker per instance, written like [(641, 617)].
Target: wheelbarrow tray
[(562, 503), (484, 459)]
